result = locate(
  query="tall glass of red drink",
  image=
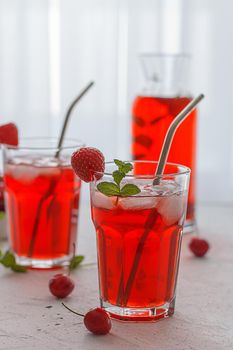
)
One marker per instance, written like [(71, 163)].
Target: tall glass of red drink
[(154, 109), (139, 239), (42, 200)]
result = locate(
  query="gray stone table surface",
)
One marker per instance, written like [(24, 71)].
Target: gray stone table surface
[(31, 318)]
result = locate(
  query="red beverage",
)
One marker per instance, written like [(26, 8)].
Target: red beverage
[(42, 205), (151, 119), (118, 232), (42, 198)]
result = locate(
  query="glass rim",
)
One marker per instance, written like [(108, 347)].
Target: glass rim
[(165, 54), (75, 144), (186, 170)]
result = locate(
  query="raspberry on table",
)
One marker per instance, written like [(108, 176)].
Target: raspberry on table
[(199, 247), (97, 321), (61, 285)]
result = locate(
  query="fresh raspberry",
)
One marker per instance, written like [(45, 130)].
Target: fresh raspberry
[(61, 285), (9, 134), (86, 161), (199, 246), (98, 321)]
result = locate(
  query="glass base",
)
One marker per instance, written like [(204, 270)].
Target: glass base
[(43, 263), (190, 226), (139, 314)]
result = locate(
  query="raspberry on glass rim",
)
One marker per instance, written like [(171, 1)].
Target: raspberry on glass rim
[(86, 161), (8, 136)]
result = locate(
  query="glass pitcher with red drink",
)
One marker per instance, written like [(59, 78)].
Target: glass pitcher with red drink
[(155, 108)]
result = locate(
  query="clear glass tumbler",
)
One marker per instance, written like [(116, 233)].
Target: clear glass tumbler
[(42, 200), (138, 241)]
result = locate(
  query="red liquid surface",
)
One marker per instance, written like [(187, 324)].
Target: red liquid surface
[(138, 243), (151, 119), (42, 204)]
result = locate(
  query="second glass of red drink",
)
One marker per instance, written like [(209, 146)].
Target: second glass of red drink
[(42, 200)]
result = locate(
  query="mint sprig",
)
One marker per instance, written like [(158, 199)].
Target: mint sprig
[(8, 260), (113, 188)]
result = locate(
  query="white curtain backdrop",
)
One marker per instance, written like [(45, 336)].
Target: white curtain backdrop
[(50, 49)]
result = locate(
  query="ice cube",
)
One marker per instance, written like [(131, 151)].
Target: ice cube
[(171, 208), (99, 200), (138, 202), (49, 171), (22, 172), (136, 181), (166, 187), (46, 162), (27, 173)]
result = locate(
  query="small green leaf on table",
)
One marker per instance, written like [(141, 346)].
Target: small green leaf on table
[(75, 262), (8, 260), (18, 268)]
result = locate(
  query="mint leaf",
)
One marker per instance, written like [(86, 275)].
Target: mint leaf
[(108, 188), (118, 162), (18, 268), (118, 176), (122, 166), (8, 259), (2, 214), (75, 262), (129, 190), (127, 168)]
